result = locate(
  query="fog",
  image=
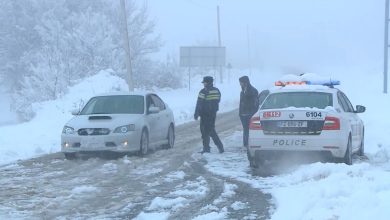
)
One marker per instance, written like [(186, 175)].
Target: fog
[(300, 35), (63, 42)]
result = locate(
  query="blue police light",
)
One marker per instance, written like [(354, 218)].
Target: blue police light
[(329, 82)]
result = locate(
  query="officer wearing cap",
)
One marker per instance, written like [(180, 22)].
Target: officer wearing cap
[(207, 106)]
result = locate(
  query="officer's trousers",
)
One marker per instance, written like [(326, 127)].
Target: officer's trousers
[(207, 128)]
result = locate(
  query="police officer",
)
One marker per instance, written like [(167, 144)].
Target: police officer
[(249, 105), (206, 108)]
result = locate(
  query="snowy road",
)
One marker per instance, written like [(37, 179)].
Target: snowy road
[(167, 184)]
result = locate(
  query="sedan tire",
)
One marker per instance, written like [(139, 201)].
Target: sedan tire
[(170, 138), (70, 156), (144, 143)]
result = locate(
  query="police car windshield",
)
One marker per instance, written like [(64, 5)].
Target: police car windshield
[(298, 99), (119, 104)]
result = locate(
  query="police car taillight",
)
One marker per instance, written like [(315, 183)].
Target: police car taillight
[(254, 124), (331, 123)]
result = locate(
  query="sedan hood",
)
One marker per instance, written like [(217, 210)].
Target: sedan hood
[(110, 121)]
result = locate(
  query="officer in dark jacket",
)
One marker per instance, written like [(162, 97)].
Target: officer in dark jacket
[(206, 108), (249, 105)]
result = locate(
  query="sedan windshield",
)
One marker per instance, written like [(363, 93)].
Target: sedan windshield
[(120, 104), (298, 99)]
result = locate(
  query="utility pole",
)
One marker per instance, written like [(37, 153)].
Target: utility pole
[(126, 44), (386, 48), (219, 42)]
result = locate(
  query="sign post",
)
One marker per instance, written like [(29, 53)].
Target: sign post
[(201, 57)]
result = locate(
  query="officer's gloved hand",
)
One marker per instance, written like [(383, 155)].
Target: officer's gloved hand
[(196, 117)]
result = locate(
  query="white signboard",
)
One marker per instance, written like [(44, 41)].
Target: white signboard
[(202, 56)]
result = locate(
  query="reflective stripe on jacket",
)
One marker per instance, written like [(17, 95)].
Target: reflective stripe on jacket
[(208, 101)]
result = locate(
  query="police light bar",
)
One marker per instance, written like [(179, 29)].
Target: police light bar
[(306, 79), (280, 83), (329, 82)]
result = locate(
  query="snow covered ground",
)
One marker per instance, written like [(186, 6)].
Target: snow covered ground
[(312, 191), (327, 190), (302, 191)]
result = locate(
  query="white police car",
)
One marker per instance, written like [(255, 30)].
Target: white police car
[(306, 116)]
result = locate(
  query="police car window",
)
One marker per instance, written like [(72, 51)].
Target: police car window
[(343, 102), (349, 104), (159, 103), (298, 99), (263, 94)]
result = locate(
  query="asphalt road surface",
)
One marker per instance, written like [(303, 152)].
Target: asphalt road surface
[(171, 184)]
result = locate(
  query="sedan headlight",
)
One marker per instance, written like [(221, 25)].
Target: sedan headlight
[(125, 128), (68, 130)]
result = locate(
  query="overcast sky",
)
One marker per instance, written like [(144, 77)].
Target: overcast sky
[(306, 35)]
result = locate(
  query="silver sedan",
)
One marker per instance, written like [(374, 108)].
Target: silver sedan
[(119, 122)]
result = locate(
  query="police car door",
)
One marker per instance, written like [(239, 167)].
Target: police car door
[(351, 117)]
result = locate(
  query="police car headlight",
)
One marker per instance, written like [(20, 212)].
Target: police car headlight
[(124, 129), (68, 130)]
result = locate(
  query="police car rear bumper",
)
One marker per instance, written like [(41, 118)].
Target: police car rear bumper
[(332, 144)]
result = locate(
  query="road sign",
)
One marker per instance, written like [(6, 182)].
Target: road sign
[(202, 56)]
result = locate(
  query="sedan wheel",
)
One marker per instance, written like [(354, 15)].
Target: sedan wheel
[(171, 137), (70, 156), (144, 145)]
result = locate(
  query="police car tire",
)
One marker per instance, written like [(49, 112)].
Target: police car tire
[(252, 160), (348, 153), (361, 148)]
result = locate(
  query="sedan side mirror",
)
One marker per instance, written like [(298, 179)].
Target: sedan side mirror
[(360, 109), (75, 112), (154, 110)]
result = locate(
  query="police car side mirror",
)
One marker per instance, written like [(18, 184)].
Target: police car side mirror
[(360, 109)]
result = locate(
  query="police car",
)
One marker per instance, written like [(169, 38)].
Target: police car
[(306, 116)]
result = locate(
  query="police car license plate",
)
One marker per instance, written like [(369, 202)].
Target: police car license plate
[(292, 124)]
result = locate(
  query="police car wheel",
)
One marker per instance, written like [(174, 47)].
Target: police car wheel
[(348, 153), (252, 161), (361, 149)]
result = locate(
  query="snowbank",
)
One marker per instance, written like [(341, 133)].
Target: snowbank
[(42, 134)]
